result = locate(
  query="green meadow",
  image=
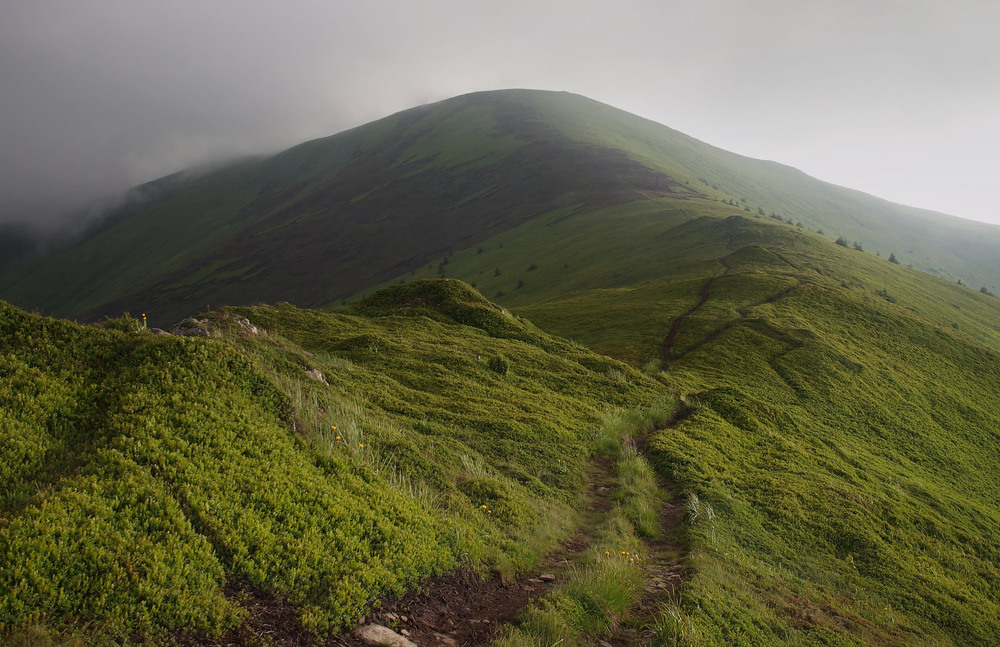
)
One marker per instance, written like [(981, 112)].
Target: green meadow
[(844, 431), (506, 286), (143, 473)]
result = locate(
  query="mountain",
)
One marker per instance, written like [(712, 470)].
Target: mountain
[(711, 426), (332, 218)]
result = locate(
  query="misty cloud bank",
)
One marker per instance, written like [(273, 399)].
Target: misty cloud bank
[(891, 98)]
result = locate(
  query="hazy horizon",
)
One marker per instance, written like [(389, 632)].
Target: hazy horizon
[(889, 99)]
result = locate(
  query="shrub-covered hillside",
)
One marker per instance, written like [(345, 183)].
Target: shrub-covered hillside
[(842, 442), (323, 459)]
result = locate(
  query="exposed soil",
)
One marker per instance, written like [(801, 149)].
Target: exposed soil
[(665, 572), (460, 608), (668, 343), (464, 609), (270, 621)]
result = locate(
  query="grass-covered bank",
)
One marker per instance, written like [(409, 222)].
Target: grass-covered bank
[(142, 472), (843, 428), (602, 590)]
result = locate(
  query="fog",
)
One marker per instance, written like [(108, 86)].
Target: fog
[(894, 98)]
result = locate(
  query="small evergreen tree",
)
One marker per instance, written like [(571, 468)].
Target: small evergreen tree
[(842, 241), (892, 259)]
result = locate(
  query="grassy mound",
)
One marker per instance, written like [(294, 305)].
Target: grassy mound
[(143, 473), (840, 451)]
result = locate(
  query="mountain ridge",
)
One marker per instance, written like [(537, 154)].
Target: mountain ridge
[(333, 217)]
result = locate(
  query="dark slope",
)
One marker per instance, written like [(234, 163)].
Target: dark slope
[(333, 217)]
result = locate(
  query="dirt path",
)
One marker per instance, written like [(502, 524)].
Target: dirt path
[(462, 609), (665, 570), (664, 574), (668, 343)]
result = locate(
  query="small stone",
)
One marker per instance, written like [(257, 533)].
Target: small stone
[(190, 327), (547, 577), (379, 635), (404, 618), (404, 632), (315, 374)]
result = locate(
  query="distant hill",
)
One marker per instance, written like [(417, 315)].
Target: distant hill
[(536, 298), (562, 174)]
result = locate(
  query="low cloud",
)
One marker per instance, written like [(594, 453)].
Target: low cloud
[(104, 95)]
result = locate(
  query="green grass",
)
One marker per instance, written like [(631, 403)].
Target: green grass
[(141, 473), (844, 406), (846, 443), (600, 592), (583, 195)]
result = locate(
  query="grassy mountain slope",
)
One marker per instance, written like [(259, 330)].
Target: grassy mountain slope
[(334, 217), (150, 481), (842, 438), (836, 448)]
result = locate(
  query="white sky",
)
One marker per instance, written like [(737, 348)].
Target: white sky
[(898, 98)]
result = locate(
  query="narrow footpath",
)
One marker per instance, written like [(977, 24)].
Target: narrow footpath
[(461, 609), (668, 343)]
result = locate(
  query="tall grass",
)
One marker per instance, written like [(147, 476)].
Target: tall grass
[(599, 593)]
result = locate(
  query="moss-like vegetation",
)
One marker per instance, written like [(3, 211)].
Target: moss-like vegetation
[(142, 473), (846, 444)]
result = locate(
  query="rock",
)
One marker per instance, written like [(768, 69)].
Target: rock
[(379, 635), (315, 374), (547, 577), (158, 331), (245, 323), (190, 327)]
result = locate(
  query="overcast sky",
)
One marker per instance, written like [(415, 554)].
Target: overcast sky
[(899, 98)]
